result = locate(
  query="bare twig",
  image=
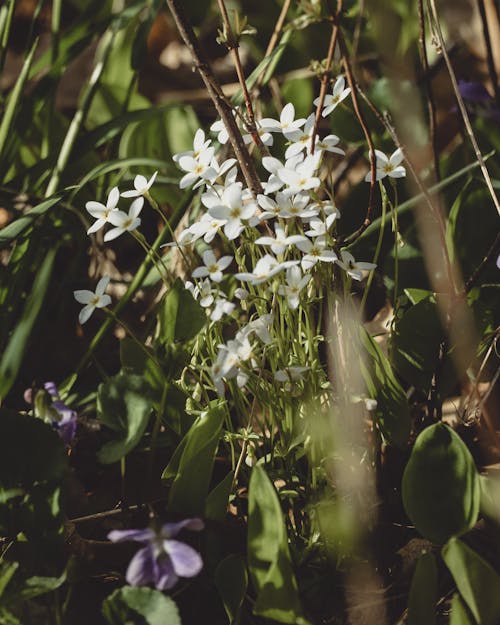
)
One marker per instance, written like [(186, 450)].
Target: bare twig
[(494, 249), (431, 105), (232, 45), (489, 50), (326, 73), (217, 96), (361, 119), (437, 26), (274, 37)]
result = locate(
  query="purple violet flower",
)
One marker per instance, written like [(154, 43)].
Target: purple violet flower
[(163, 560), (478, 100), (66, 424)]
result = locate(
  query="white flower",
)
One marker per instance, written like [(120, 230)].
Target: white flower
[(241, 294), (286, 124), (100, 211), (92, 300), (297, 205), (295, 282), (203, 292), (219, 127), (207, 227), (124, 222), (388, 166), (315, 251), (260, 326), (280, 241), (213, 268), (222, 307), (266, 268), (328, 144), (233, 209), (339, 93), (301, 139), (265, 137), (301, 177), (319, 227), (141, 187), (200, 145), (290, 374), (353, 268), (198, 169)]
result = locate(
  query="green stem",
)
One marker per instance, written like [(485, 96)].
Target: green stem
[(377, 253), (136, 283)]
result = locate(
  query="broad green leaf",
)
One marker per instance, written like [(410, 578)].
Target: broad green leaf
[(218, 499), (124, 404), (181, 317), (441, 489), (37, 513), (12, 357), (423, 592), (189, 489), (17, 227), (490, 498), (135, 361), (231, 579), (269, 560), (141, 606), (459, 614), (392, 412), (476, 580), (300, 92), (415, 343)]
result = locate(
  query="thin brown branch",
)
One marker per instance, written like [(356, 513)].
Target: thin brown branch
[(366, 132), (326, 73), (275, 36), (468, 126), (431, 105), (489, 50), (232, 45), (217, 96), (492, 252)]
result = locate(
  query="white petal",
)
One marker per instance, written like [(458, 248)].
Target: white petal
[(85, 313), (83, 296)]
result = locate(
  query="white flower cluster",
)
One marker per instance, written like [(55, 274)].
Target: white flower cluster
[(279, 239), (280, 243)]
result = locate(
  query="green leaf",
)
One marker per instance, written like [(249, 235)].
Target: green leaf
[(269, 560), (415, 343), (152, 607), (490, 498), (135, 361), (124, 404), (17, 227), (423, 592), (37, 513), (7, 570), (181, 317), (441, 489), (13, 354), (392, 412), (12, 107), (218, 498), (36, 586), (231, 579), (476, 580), (459, 614), (189, 489)]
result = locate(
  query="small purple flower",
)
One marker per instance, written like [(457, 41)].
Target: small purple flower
[(478, 100), (48, 406), (66, 423), (163, 560)]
